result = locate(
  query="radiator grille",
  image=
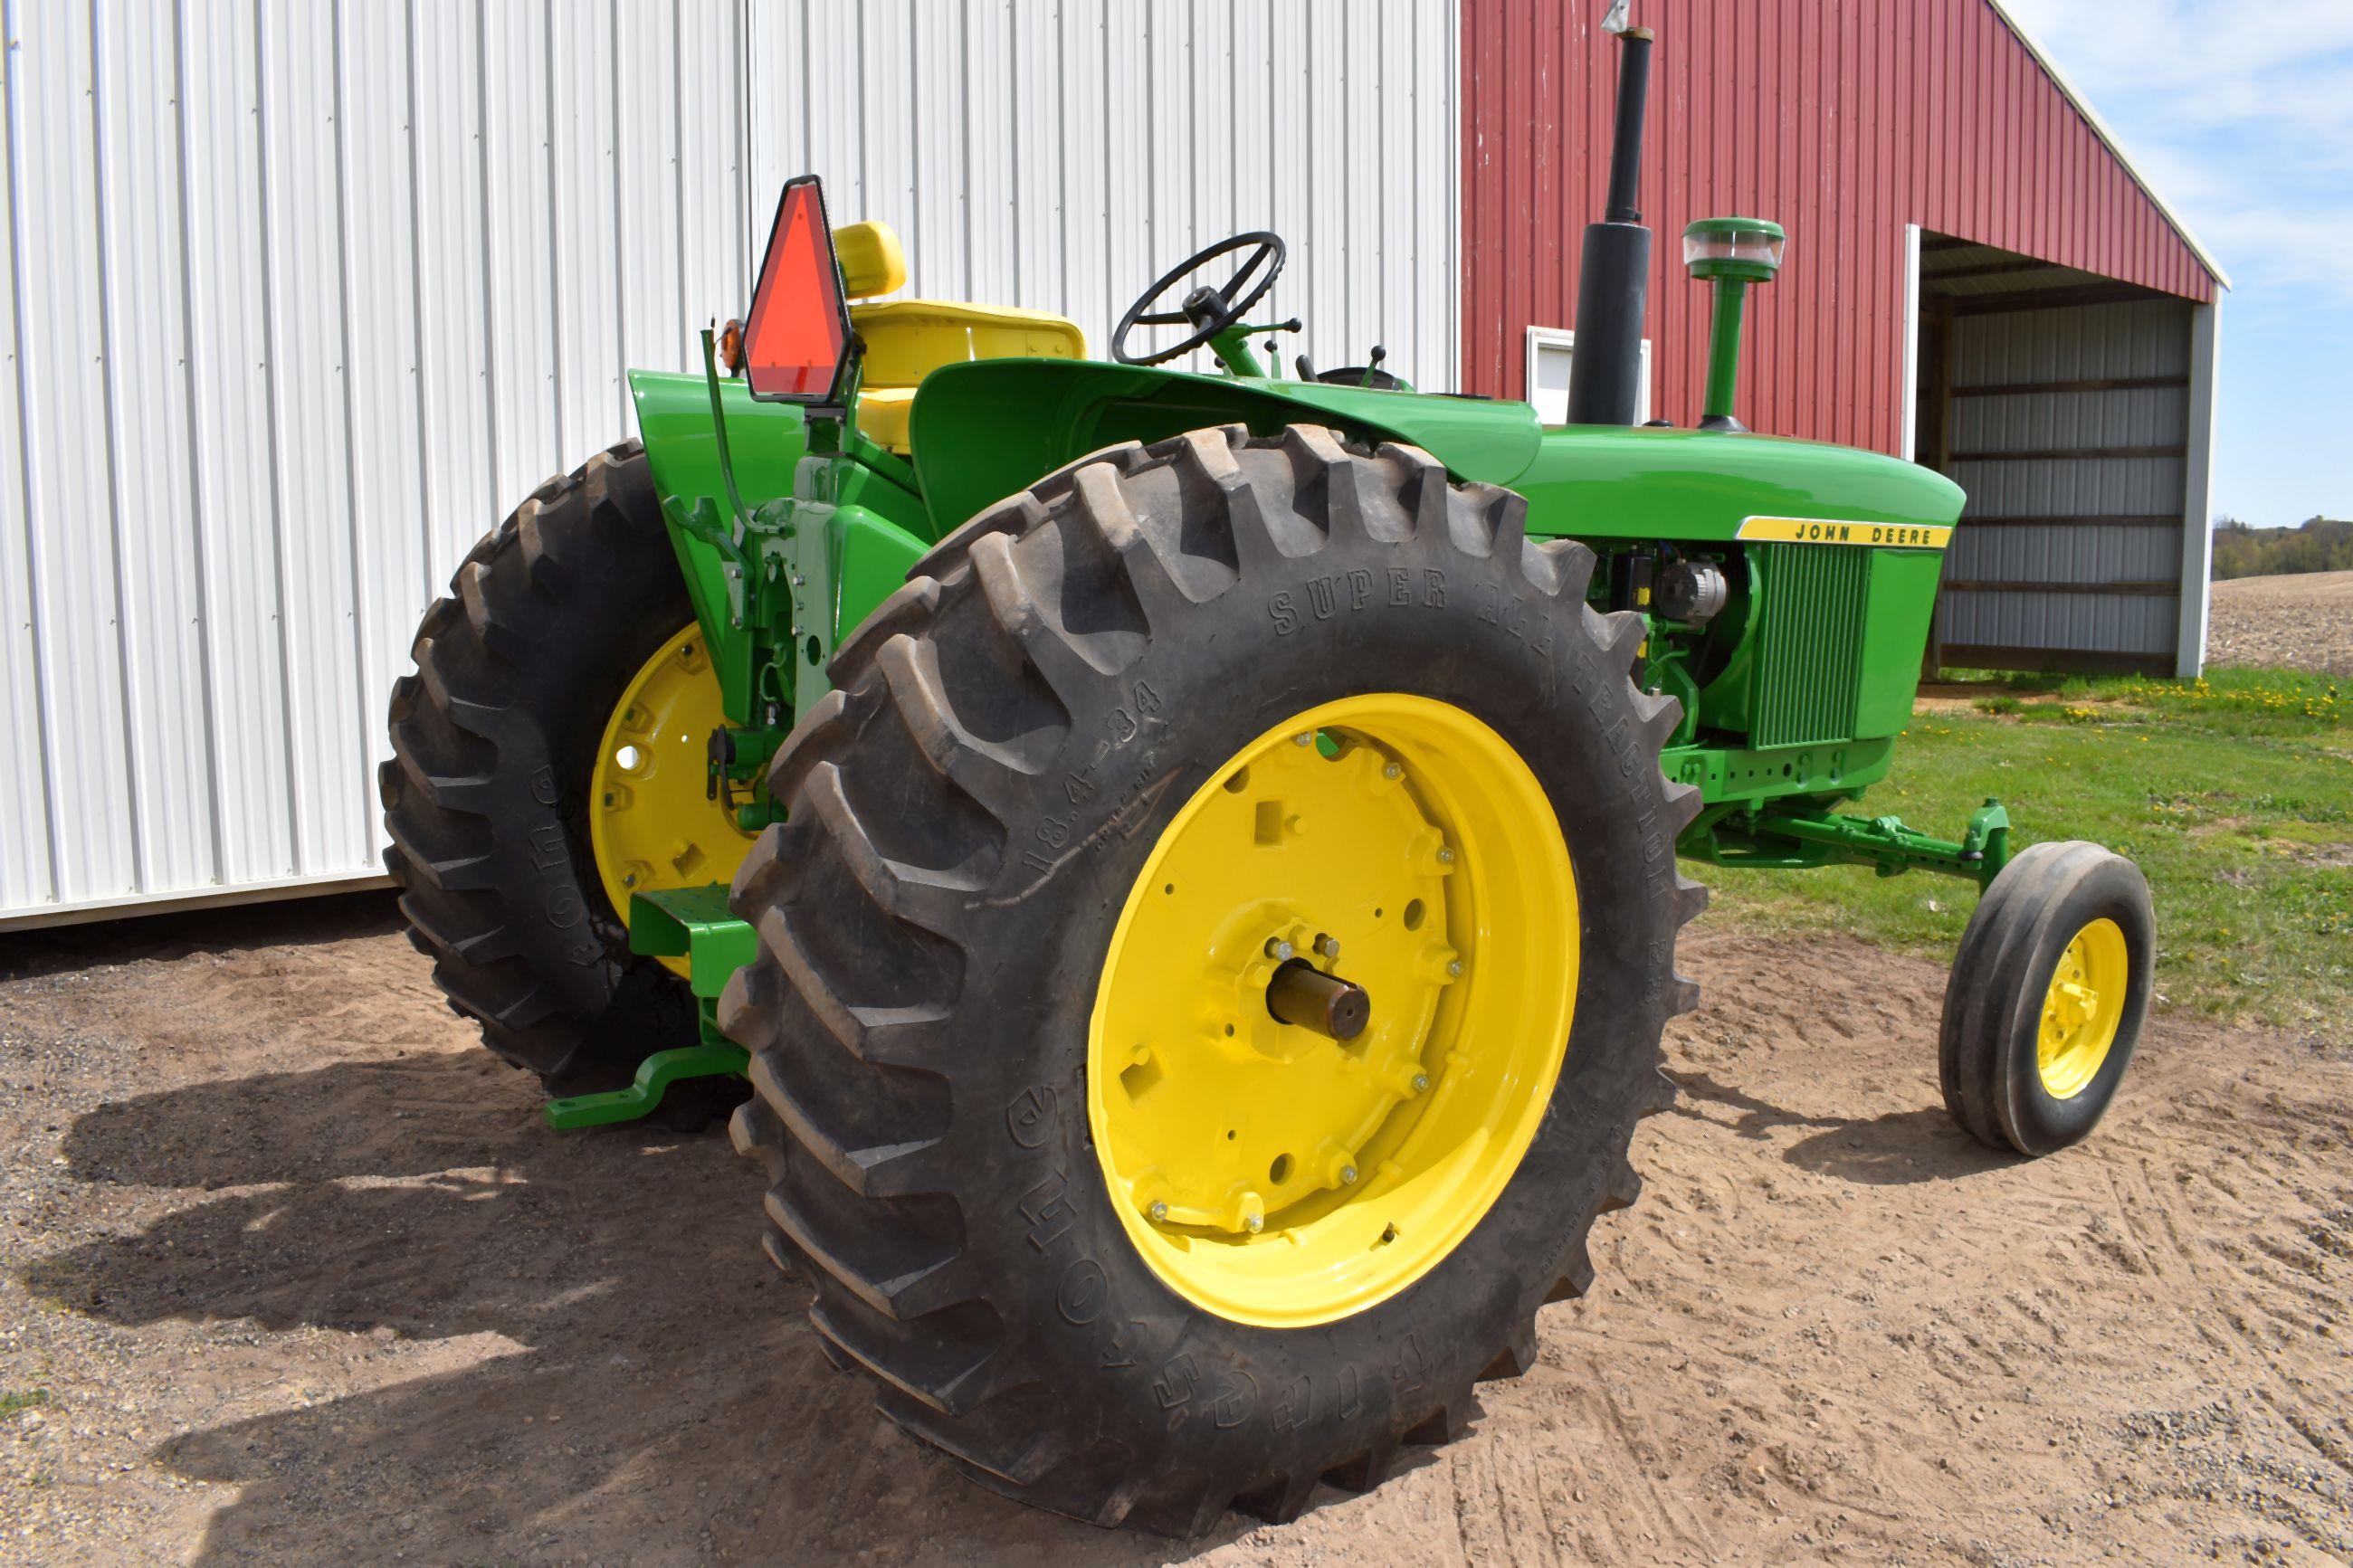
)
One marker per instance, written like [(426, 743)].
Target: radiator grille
[(1815, 599)]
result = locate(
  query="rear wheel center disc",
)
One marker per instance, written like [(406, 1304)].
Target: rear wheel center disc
[(651, 822), (1276, 1174)]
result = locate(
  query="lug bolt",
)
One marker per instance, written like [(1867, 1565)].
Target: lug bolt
[(1252, 1224), (1304, 738), (1279, 950), (1421, 1082), (1329, 946), (1393, 772), (1159, 1211), (1454, 969), (630, 880), (1347, 1175), (1446, 856)]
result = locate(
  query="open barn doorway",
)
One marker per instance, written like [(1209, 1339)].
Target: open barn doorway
[(2076, 411)]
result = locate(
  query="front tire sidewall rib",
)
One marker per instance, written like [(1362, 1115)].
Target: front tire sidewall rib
[(969, 811)]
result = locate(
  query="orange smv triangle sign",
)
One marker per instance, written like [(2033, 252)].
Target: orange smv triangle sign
[(798, 326)]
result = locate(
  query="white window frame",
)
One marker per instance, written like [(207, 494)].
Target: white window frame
[(1907, 431), (1541, 338)]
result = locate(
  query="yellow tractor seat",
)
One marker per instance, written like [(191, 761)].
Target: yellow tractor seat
[(882, 414), (906, 340)]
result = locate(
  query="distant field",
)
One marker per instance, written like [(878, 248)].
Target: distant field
[(2235, 794), (2298, 622)]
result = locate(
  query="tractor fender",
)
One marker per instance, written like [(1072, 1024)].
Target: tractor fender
[(990, 429), (765, 440)]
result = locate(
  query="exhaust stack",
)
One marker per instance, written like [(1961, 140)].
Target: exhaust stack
[(1614, 274)]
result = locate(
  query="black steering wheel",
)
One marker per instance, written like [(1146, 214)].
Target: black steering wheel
[(1208, 311)]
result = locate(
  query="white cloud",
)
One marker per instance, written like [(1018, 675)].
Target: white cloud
[(2291, 246), (2195, 44)]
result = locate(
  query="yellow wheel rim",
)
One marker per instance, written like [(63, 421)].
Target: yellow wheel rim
[(651, 823), (2082, 1009), (1278, 1176)]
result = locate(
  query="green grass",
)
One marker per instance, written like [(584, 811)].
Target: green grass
[(2233, 794), (11, 1402), (2288, 704)]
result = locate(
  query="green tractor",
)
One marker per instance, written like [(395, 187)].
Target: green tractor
[(1187, 862)]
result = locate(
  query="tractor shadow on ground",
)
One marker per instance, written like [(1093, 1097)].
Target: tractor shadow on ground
[(1897, 1149), (555, 1345)]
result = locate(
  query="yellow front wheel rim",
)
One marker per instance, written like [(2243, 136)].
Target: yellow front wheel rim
[(1277, 1177), (651, 822), (2082, 1009)]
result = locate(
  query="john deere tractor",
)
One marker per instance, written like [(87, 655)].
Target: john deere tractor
[(1187, 862)]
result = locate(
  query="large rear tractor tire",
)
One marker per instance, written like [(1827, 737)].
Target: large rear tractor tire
[(562, 629), (2047, 996), (1150, 787)]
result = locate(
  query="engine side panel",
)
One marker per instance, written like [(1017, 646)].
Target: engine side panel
[(1798, 687)]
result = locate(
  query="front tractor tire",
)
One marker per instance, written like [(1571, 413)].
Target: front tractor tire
[(2046, 999), (555, 624), (1100, 1223)]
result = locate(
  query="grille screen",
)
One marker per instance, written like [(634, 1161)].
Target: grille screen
[(1815, 600)]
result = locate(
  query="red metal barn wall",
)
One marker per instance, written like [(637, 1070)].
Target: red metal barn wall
[(1843, 120)]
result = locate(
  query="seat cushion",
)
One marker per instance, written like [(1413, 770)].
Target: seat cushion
[(906, 340), (882, 415)]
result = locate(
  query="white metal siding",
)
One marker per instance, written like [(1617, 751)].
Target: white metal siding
[(301, 296), (2139, 339)]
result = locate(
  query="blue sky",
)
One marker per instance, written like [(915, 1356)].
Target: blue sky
[(2242, 116)]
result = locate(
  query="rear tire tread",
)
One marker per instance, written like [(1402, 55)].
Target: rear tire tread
[(903, 1313), (458, 738)]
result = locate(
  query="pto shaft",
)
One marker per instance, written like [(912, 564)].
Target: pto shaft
[(1303, 994)]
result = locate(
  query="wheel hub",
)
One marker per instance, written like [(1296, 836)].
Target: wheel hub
[(1301, 994), (1306, 1087), (2082, 1009)]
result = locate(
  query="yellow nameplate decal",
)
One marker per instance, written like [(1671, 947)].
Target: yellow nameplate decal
[(1830, 531)]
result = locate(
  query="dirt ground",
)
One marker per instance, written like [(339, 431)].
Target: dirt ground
[(305, 1281), (2303, 621)]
